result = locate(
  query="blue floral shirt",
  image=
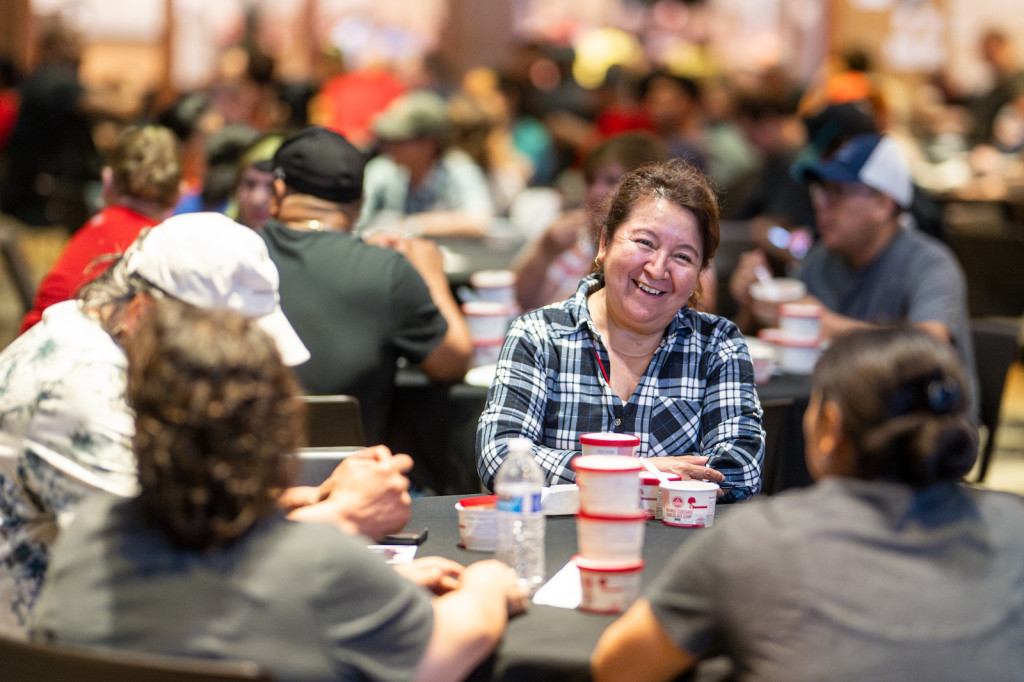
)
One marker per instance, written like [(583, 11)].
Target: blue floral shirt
[(65, 431), (697, 396)]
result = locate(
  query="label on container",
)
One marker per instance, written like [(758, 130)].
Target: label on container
[(521, 504)]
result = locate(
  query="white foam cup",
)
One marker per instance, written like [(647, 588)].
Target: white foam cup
[(607, 484), (610, 538), (478, 523), (688, 504), (487, 320), (798, 356), (650, 492), (609, 443), (801, 321), (608, 587), (767, 296), (498, 286)]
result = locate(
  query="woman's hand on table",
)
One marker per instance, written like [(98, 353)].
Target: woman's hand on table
[(437, 574), (689, 467)]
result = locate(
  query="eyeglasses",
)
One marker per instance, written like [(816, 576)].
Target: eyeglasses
[(833, 192)]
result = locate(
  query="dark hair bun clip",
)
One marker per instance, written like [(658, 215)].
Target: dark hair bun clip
[(943, 395)]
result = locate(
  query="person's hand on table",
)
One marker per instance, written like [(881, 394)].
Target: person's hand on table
[(690, 468), (367, 494), (437, 574), (492, 576)]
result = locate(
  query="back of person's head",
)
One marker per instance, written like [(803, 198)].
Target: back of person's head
[(223, 149), (321, 163), (629, 150), (209, 261), (217, 422), (676, 180), (415, 115), (145, 165), (903, 396)]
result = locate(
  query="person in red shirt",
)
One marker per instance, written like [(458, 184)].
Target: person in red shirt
[(141, 183)]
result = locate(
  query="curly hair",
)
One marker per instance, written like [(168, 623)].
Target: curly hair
[(217, 422), (680, 182), (904, 400), (146, 165)]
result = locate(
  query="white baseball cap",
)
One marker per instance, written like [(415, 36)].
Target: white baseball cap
[(211, 261), (872, 160)]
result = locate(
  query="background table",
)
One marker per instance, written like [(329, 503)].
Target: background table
[(437, 426), (545, 643)]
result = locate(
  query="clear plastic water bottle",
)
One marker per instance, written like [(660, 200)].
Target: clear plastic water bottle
[(518, 485)]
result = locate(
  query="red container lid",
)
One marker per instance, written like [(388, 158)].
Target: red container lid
[(608, 566), (800, 310), (794, 342), (606, 464), (648, 477), (613, 439), (640, 515), (480, 501)]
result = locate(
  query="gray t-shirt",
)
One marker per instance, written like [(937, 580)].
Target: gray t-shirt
[(302, 599), (915, 279), (856, 580)]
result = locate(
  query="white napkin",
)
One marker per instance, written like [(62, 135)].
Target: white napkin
[(563, 590)]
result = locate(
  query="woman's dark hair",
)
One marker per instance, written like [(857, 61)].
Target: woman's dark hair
[(904, 399), (217, 422), (678, 181)]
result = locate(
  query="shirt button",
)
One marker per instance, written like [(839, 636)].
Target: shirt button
[(618, 422)]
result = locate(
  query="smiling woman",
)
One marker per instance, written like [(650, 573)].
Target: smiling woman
[(629, 354)]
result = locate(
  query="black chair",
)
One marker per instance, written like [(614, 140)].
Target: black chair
[(334, 420), (33, 661), (995, 350), (776, 422)]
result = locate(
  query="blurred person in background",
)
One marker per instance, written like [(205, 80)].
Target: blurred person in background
[(419, 184), (66, 428), (51, 161), (888, 567), (221, 153), (141, 183), (10, 101), (204, 543), (673, 104), (254, 182), (358, 305)]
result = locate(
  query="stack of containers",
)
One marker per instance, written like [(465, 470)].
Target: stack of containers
[(609, 531), (489, 315)]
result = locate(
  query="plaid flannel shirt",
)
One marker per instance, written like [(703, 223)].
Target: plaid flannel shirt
[(697, 396)]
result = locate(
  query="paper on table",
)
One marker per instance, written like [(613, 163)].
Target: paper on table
[(395, 554), (563, 590)]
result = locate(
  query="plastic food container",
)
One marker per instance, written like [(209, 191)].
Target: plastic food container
[(608, 485)]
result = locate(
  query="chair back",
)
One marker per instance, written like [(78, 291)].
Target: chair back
[(334, 420), (995, 350), (24, 660), (776, 420)]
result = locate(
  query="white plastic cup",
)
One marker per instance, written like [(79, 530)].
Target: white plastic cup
[(688, 504), (608, 587), (609, 443), (610, 538), (487, 320), (762, 355), (767, 296), (650, 493), (800, 321), (478, 523), (607, 484), (498, 286), (798, 356)]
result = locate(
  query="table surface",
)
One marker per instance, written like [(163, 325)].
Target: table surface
[(545, 643)]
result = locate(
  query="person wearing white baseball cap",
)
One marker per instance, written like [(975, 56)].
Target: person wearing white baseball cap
[(867, 268), (65, 426)]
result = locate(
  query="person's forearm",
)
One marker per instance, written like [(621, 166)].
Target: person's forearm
[(467, 626), (448, 224)]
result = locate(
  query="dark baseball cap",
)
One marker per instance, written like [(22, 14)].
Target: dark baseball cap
[(322, 163)]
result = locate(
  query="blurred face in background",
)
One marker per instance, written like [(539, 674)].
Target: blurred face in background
[(254, 192), (599, 189)]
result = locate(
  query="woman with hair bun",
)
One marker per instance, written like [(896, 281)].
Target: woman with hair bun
[(887, 568)]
